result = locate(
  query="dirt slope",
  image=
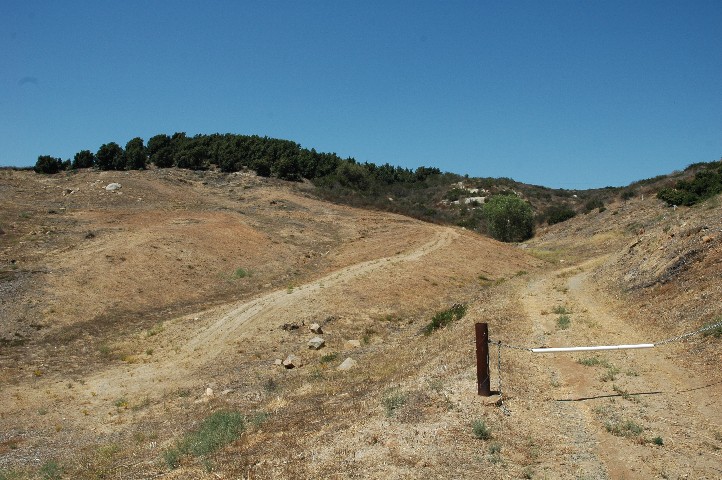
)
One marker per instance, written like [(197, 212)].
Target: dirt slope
[(121, 308)]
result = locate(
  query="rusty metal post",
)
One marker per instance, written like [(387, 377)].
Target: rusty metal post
[(482, 359)]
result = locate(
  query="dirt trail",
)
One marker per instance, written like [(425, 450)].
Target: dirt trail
[(208, 335), (621, 402)]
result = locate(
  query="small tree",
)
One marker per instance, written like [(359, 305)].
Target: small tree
[(110, 157), (84, 159), (135, 154), (509, 218), (48, 164)]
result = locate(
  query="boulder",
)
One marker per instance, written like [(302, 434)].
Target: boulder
[(316, 343), (347, 364), (111, 187)]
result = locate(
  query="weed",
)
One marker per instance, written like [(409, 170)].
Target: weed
[(258, 418), (51, 470), (625, 428), (121, 403), (436, 385), (270, 385), (495, 453), (392, 401), (215, 432), (329, 357), (105, 350), (658, 441), (560, 310), (625, 394), (528, 472), (564, 322), (184, 392), (172, 458), (158, 328), (443, 318), (149, 352), (368, 332), (593, 362), (715, 332), (481, 431), (610, 375), (241, 273), (10, 474)]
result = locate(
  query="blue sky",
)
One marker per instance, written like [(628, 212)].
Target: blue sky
[(570, 94)]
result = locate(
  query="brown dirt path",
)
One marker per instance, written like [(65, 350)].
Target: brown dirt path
[(616, 393), (191, 347)]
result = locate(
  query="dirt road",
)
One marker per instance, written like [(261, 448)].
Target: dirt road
[(645, 414)]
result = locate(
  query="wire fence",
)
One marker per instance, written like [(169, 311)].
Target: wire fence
[(660, 343)]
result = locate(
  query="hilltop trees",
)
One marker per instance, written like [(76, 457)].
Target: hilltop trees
[(48, 164), (110, 157), (83, 159), (135, 154)]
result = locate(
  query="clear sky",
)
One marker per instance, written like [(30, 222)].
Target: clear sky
[(570, 94)]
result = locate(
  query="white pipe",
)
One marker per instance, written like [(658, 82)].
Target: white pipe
[(586, 349)]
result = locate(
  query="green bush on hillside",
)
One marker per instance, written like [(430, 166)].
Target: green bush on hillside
[(509, 218), (705, 184), (558, 213)]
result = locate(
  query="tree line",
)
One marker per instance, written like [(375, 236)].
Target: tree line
[(268, 157)]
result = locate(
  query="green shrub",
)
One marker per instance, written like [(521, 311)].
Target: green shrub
[(392, 401), (593, 204), (626, 428), (564, 322), (481, 431), (216, 431), (558, 213), (441, 319), (658, 441), (241, 273), (51, 470), (706, 183), (508, 218)]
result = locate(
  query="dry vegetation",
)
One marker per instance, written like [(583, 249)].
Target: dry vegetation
[(121, 309)]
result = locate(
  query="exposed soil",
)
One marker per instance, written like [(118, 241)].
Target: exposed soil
[(120, 309)]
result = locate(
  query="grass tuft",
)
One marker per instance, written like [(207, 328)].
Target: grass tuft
[(215, 432), (564, 322), (392, 401), (443, 318), (481, 431)]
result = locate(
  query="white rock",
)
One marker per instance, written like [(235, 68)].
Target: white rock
[(111, 187), (347, 364), (316, 328), (209, 392), (292, 361), (353, 343), (316, 343), (278, 362)]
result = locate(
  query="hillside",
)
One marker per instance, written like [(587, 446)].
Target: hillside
[(121, 309)]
